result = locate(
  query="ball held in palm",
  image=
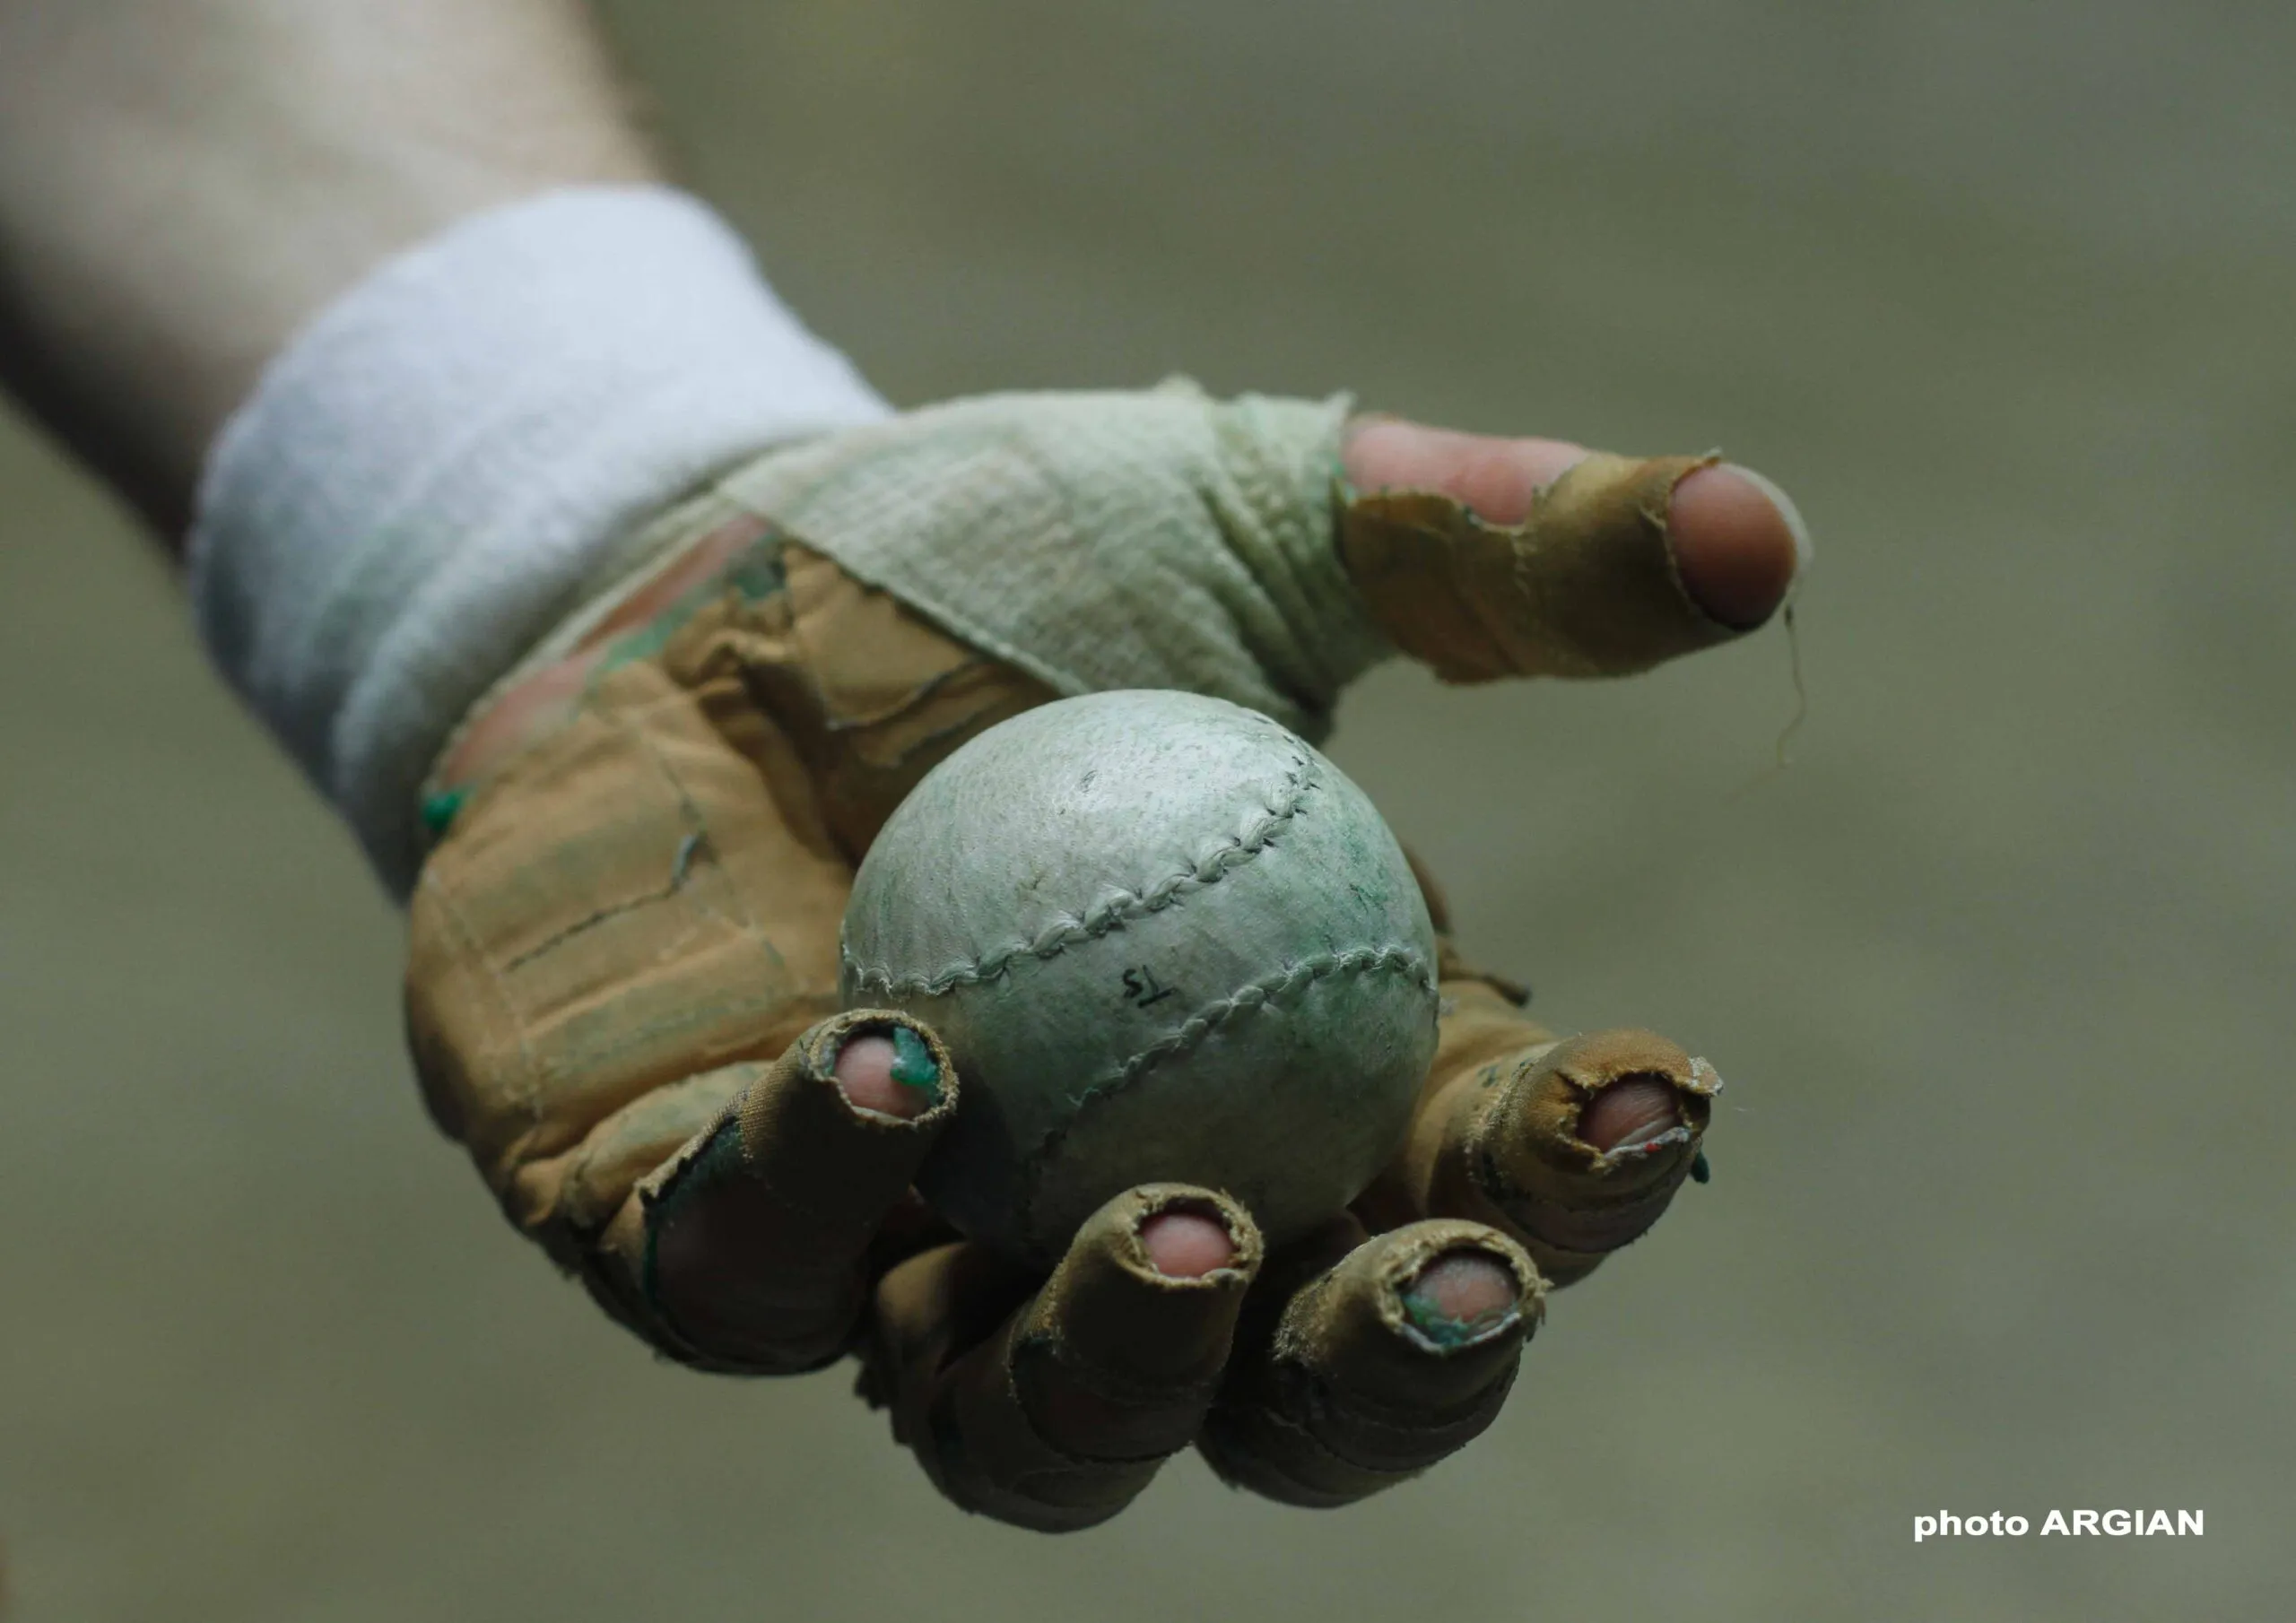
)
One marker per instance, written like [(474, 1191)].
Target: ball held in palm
[(1165, 939)]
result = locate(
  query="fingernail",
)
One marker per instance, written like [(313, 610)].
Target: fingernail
[(1804, 549), (1724, 524)]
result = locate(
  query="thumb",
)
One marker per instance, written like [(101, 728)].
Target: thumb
[(1486, 558)]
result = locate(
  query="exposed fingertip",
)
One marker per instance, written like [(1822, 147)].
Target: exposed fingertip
[(1738, 541), (1185, 1243), (1628, 1112), (1462, 1296)]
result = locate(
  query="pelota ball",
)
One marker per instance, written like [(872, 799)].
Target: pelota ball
[(1164, 937)]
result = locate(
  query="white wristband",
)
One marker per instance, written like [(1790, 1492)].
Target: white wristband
[(423, 477)]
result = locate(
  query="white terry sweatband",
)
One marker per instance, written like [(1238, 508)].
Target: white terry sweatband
[(424, 478)]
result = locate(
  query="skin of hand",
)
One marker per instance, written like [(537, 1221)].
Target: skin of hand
[(756, 1216), (184, 183)]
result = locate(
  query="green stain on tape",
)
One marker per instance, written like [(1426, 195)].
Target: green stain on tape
[(759, 573), (913, 1064), (756, 576), (439, 809), (646, 642)]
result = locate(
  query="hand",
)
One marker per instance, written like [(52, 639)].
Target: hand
[(622, 980)]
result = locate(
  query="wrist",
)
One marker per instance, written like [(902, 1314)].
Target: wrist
[(450, 458)]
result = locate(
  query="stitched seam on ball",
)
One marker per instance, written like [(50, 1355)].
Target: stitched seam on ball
[(1395, 958), (1071, 929)]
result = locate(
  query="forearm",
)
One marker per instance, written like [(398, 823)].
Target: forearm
[(183, 183)]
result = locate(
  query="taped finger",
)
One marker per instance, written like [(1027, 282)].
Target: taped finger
[(1054, 1411), (1367, 1367), (1575, 1147), (745, 1252)]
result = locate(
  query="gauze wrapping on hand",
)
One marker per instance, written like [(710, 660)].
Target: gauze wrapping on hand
[(1159, 539)]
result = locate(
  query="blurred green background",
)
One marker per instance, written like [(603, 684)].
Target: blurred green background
[(1999, 970)]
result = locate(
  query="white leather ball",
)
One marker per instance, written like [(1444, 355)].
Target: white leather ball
[(1165, 939)]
